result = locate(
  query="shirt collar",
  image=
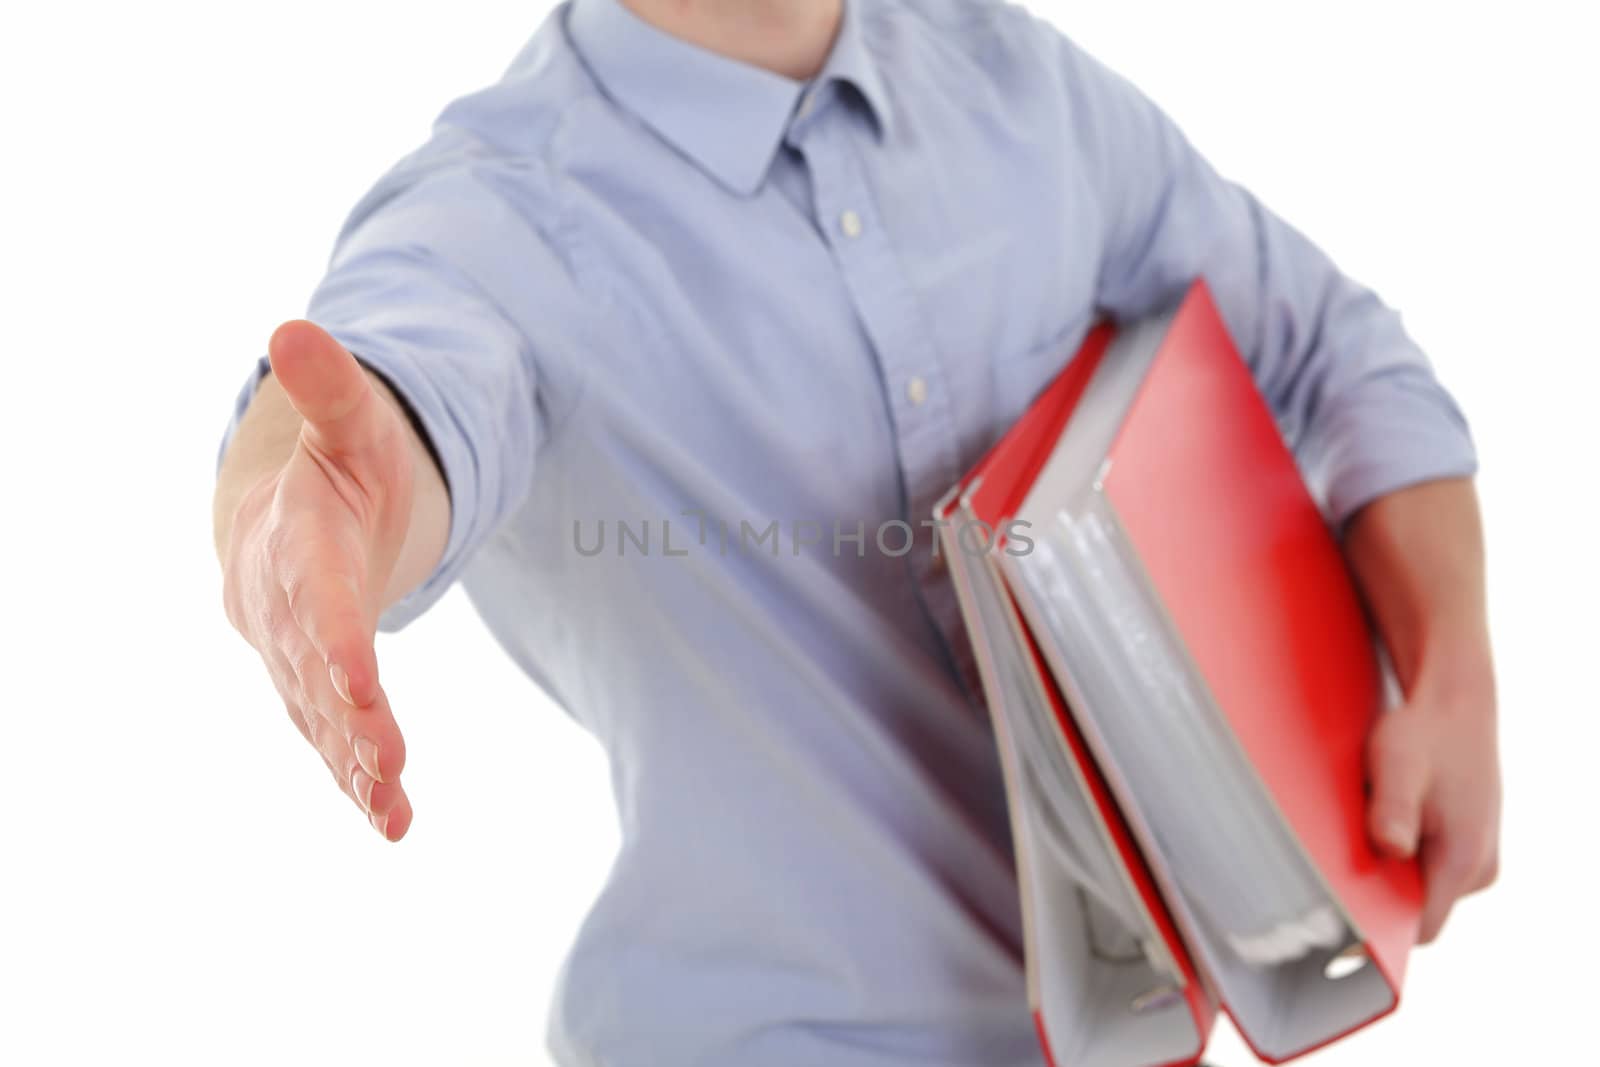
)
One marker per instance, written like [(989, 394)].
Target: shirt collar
[(728, 117), (851, 60)]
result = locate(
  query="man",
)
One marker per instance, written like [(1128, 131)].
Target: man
[(654, 335)]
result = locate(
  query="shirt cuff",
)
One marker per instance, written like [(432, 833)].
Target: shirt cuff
[(1394, 432)]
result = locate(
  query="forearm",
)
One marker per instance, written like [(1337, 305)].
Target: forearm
[(267, 434), (1418, 556)]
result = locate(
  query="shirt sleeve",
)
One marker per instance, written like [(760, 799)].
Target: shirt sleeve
[(414, 290), (1354, 396)]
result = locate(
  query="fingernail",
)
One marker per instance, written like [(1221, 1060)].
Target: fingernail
[(380, 823), (367, 755), (1398, 836), (340, 681), (361, 786)]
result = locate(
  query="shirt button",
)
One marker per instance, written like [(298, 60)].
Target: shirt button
[(917, 390), (850, 224)]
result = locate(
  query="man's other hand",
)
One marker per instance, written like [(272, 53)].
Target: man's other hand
[(1433, 763), (1435, 773)]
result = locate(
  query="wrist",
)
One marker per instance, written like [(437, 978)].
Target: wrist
[(1455, 674)]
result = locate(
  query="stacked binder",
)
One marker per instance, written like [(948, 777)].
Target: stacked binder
[(1181, 679)]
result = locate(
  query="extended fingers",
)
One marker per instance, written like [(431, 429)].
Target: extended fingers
[(370, 733), (327, 735), (327, 607), (377, 800)]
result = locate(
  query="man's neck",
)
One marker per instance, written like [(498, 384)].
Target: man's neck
[(788, 37)]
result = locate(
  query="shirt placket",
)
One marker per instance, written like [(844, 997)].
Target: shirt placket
[(921, 407)]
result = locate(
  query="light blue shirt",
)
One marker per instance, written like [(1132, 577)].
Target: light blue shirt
[(637, 283)]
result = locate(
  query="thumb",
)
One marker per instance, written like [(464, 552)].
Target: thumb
[(325, 384), (1399, 770)]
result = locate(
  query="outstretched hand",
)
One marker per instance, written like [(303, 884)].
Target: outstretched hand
[(310, 554)]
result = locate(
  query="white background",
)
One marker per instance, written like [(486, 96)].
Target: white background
[(181, 881)]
